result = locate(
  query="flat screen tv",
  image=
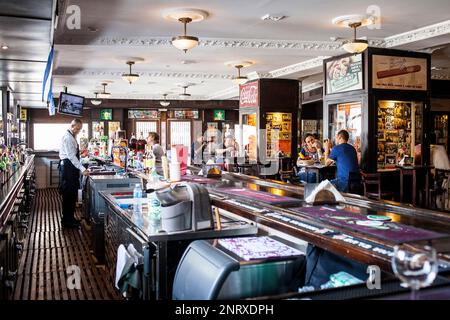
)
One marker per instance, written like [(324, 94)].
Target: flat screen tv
[(71, 104)]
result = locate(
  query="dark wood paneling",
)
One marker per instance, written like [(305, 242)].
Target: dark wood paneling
[(312, 111), (440, 89)]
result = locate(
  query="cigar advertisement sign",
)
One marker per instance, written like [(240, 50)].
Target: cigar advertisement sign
[(249, 95), (399, 73), (344, 74)]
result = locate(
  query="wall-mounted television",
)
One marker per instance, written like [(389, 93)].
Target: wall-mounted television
[(70, 104)]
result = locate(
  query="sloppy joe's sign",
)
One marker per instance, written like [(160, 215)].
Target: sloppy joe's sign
[(249, 95)]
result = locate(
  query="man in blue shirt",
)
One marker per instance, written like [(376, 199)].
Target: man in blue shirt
[(345, 157)]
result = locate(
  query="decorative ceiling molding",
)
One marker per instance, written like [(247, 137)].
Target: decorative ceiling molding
[(424, 33), (312, 86), (324, 46), (298, 67), (134, 96), (258, 75), (227, 93), (441, 76), (102, 73)]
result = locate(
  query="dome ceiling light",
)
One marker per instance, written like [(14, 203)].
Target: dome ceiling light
[(185, 16), (354, 21), (239, 79), (184, 95), (164, 103), (130, 77), (96, 101), (104, 94), (356, 45)]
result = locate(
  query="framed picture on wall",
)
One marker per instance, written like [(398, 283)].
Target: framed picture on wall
[(344, 74)]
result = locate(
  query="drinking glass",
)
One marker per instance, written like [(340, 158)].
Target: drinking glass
[(416, 269)]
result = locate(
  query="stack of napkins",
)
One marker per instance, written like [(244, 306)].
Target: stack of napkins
[(325, 185)]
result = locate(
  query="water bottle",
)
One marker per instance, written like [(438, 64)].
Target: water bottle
[(137, 196), (154, 208)]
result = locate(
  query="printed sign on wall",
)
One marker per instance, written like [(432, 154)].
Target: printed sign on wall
[(399, 73)]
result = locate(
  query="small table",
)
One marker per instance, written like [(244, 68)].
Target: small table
[(316, 168), (412, 171)]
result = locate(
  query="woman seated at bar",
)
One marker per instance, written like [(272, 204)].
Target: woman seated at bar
[(344, 154), (311, 150)]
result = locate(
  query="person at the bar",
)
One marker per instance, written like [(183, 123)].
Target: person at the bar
[(153, 142), (197, 148), (69, 175), (311, 150), (228, 152), (345, 157), (230, 148), (250, 148)]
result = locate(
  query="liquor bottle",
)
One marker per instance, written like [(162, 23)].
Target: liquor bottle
[(149, 158)]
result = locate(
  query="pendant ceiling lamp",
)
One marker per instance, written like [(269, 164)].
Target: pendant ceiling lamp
[(239, 79), (96, 101), (185, 42), (130, 77), (184, 95), (104, 94), (164, 103), (185, 16), (238, 64), (356, 45)]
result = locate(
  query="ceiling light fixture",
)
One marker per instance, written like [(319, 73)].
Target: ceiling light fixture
[(130, 77), (185, 42), (104, 94), (356, 45), (184, 95), (238, 64), (239, 79), (96, 101), (4, 47), (164, 103)]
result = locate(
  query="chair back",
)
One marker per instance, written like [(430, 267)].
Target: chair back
[(372, 185), (355, 184)]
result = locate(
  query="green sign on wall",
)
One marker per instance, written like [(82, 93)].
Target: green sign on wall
[(106, 114), (219, 115)]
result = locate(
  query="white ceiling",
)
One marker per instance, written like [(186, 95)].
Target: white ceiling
[(291, 48), (25, 26)]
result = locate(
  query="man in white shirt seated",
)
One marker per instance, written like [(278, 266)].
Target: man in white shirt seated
[(69, 173)]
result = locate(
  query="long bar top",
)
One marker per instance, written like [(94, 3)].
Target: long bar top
[(11, 187), (280, 206), (151, 230), (332, 227)]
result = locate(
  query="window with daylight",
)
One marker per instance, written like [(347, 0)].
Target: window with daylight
[(145, 127), (47, 136)]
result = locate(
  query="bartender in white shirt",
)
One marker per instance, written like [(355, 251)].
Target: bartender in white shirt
[(69, 173)]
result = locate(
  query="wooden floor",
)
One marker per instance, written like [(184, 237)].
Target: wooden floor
[(50, 249)]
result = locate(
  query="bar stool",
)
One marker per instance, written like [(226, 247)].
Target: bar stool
[(412, 171), (372, 187)]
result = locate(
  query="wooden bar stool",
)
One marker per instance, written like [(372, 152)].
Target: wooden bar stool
[(372, 187), (412, 171)]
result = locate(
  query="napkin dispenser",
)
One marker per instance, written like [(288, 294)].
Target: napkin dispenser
[(185, 207)]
